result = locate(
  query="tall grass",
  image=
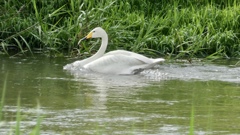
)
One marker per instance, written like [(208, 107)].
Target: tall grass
[(206, 28), (3, 97), (191, 127)]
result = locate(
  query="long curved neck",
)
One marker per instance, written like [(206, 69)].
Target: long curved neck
[(100, 52)]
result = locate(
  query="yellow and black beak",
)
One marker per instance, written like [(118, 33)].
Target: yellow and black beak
[(87, 37)]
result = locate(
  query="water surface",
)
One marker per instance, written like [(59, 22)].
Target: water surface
[(159, 101)]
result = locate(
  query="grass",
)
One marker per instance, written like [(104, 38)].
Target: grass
[(3, 97), (17, 128), (191, 126), (174, 29)]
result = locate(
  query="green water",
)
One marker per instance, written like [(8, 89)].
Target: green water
[(160, 101)]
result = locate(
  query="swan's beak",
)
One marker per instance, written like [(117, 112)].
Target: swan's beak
[(89, 35)]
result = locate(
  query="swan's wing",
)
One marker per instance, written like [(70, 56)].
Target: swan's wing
[(116, 64), (132, 54)]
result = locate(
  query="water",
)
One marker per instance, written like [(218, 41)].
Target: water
[(159, 101)]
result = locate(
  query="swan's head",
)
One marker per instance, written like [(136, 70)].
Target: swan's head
[(97, 33)]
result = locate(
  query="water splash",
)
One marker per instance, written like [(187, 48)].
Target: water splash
[(170, 71)]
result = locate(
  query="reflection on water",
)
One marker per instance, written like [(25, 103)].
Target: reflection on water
[(157, 101)]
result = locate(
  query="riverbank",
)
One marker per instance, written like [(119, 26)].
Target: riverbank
[(174, 29)]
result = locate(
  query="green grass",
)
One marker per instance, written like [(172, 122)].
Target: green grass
[(174, 29), (3, 97), (191, 127)]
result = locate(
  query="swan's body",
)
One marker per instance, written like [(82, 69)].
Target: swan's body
[(114, 62)]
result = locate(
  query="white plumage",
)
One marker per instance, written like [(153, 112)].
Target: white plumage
[(114, 62)]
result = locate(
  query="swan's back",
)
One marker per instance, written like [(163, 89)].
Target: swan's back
[(131, 54)]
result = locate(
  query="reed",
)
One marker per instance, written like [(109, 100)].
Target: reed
[(3, 97), (175, 29), (191, 127), (18, 118)]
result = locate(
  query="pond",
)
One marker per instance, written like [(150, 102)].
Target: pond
[(174, 98)]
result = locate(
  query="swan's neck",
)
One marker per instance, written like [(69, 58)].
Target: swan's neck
[(99, 53)]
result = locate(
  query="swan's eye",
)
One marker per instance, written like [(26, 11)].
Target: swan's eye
[(94, 31)]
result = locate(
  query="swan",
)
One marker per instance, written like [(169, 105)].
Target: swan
[(115, 62)]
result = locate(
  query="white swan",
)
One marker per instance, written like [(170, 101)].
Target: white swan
[(114, 62)]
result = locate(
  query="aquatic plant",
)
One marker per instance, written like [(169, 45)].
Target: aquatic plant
[(191, 127), (171, 28), (3, 97)]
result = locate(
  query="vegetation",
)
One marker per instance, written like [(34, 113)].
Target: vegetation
[(175, 28)]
